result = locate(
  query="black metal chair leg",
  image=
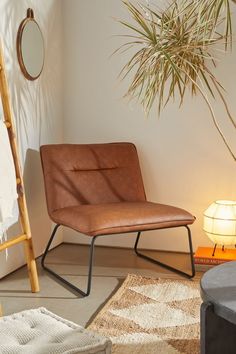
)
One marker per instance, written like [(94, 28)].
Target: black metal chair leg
[(166, 265), (70, 285)]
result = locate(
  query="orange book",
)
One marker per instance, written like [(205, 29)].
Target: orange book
[(203, 255)]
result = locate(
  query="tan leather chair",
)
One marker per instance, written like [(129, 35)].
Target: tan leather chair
[(97, 189)]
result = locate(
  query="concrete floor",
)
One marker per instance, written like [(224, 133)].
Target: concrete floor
[(111, 266)]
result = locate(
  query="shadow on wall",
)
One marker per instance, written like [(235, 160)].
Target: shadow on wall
[(34, 192), (37, 112), (11, 258), (41, 226), (35, 104)]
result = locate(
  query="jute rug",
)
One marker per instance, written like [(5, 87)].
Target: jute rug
[(152, 316)]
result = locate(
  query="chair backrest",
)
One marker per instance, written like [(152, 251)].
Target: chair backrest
[(91, 174)]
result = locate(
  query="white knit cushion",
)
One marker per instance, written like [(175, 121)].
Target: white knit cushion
[(39, 331)]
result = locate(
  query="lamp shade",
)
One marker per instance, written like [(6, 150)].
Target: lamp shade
[(220, 222)]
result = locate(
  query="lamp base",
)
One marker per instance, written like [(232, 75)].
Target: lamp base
[(222, 249), (205, 257)]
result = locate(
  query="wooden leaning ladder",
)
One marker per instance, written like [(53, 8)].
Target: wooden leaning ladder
[(25, 237)]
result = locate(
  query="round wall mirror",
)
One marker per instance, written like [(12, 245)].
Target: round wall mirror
[(30, 47)]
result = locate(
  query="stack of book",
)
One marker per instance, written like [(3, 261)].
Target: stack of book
[(204, 260)]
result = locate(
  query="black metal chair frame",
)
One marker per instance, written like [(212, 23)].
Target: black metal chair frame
[(91, 253)]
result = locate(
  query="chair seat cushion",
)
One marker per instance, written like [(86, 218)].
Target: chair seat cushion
[(113, 218), (39, 331)]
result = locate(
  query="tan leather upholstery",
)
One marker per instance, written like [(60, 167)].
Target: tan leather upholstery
[(91, 174), (121, 217), (97, 189)]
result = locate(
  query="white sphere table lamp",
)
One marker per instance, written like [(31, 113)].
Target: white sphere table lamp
[(220, 223)]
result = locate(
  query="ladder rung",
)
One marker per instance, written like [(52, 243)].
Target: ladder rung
[(8, 124), (12, 242)]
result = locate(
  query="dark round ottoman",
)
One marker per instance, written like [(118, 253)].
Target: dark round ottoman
[(218, 310)]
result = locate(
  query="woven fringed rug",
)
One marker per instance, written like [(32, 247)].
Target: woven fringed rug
[(152, 316)]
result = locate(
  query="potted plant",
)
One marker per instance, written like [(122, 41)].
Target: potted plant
[(176, 49)]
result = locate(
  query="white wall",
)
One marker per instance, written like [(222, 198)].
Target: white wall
[(183, 159), (38, 112)]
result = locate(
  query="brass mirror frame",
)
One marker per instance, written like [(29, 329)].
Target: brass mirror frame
[(30, 17)]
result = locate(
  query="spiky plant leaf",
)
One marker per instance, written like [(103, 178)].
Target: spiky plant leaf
[(176, 49), (175, 45)]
